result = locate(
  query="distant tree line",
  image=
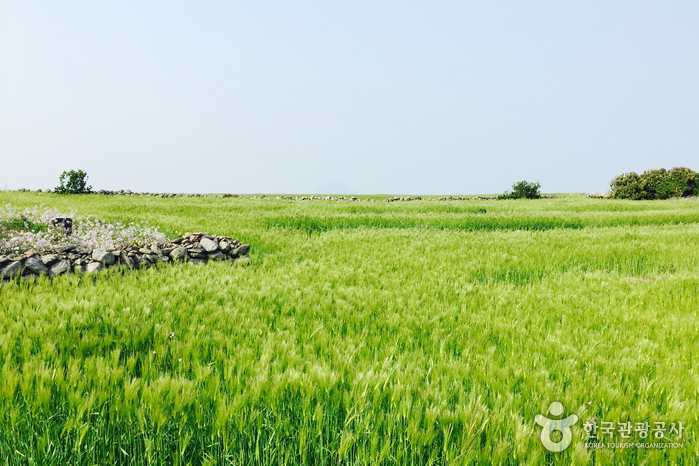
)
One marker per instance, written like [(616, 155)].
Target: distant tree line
[(649, 185), (656, 184)]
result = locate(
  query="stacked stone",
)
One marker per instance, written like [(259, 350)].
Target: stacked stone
[(199, 248), (477, 198), (316, 198), (402, 198), (127, 192), (195, 248)]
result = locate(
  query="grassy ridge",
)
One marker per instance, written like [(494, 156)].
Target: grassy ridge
[(360, 343), (313, 224)]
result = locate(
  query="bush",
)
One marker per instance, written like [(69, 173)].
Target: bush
[(73, 182), (656, 184), (523, 190)]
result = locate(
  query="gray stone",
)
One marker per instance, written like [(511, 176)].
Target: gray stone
[(144, 251), (48, 259), (80, 269), (14, 268), (209, 245), (224, 246), (179, 254), (93, 267), (156, 249), (66, 248), (126, 260), (59, 268), (196, 261), (241, 250), (152, 258), (105, 257), (162, 258), (35, 266), (216, 256)]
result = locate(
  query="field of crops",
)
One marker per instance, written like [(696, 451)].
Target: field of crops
[(371, 333)]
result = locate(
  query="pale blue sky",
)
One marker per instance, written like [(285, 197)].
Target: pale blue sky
[(380, 97)]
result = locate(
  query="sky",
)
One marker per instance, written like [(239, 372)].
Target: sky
[(362, 97)]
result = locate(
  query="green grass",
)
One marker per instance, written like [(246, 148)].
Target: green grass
[(22, 224), (367, 333)]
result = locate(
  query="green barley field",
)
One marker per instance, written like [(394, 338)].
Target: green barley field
[(362, 333)]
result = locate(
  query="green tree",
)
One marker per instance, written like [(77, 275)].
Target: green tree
[(656, 184), (679, 182), (73, 182), (523, 190), (627, 186), (651, 181)]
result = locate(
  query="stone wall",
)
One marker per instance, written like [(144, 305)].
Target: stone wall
[(288, 198), (194, 248)]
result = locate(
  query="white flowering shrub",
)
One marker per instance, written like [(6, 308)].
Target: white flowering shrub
[(22, 230)]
